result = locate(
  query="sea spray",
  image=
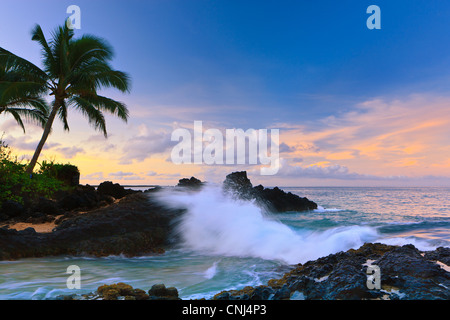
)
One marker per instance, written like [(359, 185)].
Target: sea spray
[(216, 224), (321, 209), (211, 271)]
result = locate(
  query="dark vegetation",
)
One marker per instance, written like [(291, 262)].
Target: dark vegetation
[(18, 188)]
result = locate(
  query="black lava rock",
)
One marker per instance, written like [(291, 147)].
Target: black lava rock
[(275, 200), (12, 209), (113, 189), (192, 183)]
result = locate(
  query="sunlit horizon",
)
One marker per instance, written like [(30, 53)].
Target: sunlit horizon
[(355, 107)]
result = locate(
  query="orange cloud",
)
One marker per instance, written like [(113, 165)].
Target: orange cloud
[(382, 137), (378, 138)]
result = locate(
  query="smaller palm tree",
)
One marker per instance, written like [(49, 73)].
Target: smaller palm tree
[(74, 70), (20, 95)]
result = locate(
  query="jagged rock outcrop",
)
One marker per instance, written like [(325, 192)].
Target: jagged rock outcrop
[(274, 200), (192, 183)]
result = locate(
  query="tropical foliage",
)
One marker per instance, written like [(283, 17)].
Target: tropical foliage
[(16, 185), (73, 73), (20, 95)]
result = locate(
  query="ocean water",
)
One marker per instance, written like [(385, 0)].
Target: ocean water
[(228, 244)]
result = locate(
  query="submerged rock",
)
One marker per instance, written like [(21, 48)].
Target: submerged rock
[(160, 292), (123, 291), (114, 291)]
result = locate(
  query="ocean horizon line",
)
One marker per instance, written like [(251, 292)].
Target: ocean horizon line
[(269, 186)]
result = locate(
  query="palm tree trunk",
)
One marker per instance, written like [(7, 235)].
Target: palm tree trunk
[(47, 130)]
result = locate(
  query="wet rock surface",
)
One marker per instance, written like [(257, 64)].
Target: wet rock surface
[(405, 273), (123, 291)]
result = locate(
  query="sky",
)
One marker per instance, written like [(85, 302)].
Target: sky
[(354, 106)]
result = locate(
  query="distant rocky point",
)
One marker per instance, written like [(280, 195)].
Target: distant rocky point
[(192, 183)]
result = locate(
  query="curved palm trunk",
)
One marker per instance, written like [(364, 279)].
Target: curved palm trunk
[(47, 129)]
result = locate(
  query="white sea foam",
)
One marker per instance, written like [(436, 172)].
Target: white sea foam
[(216, 224), (211, 271), (321, 209), (421, 244)]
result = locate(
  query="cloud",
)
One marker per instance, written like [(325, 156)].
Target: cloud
[(146, 143), (379, 137), (133, 178), (321, 171), (69, 152), (168, 176), (328, 170), (9, 125), (121, 174), (25, 144), (285, 148), (93, 176), (99, 142)]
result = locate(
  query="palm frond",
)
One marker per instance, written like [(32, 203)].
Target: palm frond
[(14, 68), (89, 48), (16, 90), (49, 61), (60, 49), (94, 115), (17, 117), (96, 75), (110, 105), (31, 115), (62, 114)]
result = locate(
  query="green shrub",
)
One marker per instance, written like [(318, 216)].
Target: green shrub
[(17, 185), (67, 173)]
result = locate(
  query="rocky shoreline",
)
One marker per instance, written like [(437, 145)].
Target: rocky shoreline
[(132, 226), (406, 274), (111, 220)]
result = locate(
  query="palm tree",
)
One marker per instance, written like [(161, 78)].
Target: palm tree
[(73, 72), (20, 93)]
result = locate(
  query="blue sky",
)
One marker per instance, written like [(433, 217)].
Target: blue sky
[(258, 64)]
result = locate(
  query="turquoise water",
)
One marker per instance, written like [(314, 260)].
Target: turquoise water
[(417, 214), (228, 244)]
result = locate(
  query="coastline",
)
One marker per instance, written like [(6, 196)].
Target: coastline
[(135, 224)]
